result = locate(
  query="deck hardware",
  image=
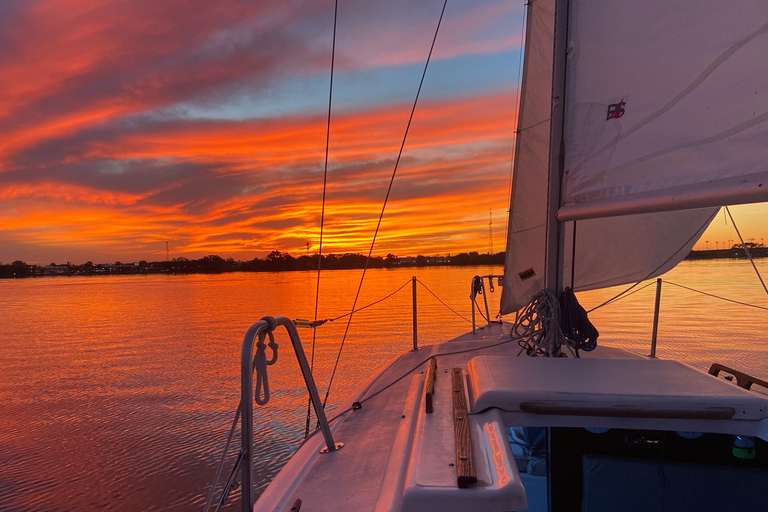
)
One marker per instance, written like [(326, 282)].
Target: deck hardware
[(478, 288), (300, 322), (296, 506), (258, 331), (337, 446), (356, 406), (742, 379), (415, 327), (465, 463), (429, 386), (656, 309), (560, 409)]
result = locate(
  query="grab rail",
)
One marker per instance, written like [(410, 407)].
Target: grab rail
[(260, 330), (743, 380), (478, 287)]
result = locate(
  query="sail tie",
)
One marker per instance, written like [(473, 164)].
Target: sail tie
[(575, 324)]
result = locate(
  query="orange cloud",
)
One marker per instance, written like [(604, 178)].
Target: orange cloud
[(250, 187)]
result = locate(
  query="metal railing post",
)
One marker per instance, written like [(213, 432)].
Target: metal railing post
[(415, 327), (656, 318), (485, 299), (472, 302), (259, 330)]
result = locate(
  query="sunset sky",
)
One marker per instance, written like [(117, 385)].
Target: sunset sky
[(127, 124)]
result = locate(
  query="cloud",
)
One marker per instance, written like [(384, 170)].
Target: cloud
[(191, 181), (104, 144)]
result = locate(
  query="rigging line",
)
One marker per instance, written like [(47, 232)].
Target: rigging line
[(517, 94), (322, 210), (716, 296), (746, 250), (480, 310), (620, 295), (444, 304), (384, 206), (209, 501), (651, 274), (573, 257), (617, 299)]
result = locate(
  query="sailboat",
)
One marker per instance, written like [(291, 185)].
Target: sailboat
[(637, 122)]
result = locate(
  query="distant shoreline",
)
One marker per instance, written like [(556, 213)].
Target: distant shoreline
[(732, 253), (274, 262), (284, 262)]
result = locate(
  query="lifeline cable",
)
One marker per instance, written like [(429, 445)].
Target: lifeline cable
[(383, 207), (716, 296), (371, 304), (443, 303)]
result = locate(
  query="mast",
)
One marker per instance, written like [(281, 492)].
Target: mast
[(555, 240)]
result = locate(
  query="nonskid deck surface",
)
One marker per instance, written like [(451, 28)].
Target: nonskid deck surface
[(355, 477)]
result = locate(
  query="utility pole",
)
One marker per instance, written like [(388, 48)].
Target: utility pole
[(307, 248), (490, 231), (167, 252)]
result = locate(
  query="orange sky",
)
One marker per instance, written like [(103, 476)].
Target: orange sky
[(130, 124)]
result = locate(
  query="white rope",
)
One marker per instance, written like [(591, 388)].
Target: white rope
[(539, 326), (260, 364)]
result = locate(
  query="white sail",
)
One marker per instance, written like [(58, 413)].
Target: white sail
[(524, 265), (610, 251), (679, 121)]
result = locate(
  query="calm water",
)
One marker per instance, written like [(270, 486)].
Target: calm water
[(118, 392)]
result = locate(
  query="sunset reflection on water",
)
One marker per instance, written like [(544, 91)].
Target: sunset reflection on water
[(118, 392)]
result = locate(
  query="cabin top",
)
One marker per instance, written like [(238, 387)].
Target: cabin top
[(642, 388)]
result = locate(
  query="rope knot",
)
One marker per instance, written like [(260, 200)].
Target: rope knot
[(260, 363), (271, 323)]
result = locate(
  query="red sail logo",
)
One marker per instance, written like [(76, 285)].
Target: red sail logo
[(616, 110)]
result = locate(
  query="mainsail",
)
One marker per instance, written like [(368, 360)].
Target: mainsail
[(676, 122), (608, 251)]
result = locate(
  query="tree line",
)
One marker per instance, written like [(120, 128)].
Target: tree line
[(275, 261)]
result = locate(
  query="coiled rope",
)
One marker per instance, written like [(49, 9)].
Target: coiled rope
[(538, 327)]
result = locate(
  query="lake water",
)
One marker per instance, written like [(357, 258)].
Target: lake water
[(118, 392)]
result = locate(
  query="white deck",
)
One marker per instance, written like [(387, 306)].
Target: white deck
[(397, 457)]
